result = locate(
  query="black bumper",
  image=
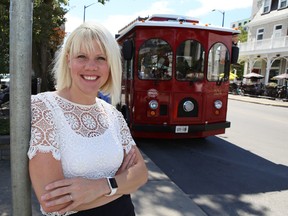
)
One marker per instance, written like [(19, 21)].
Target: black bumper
[(191, 128)]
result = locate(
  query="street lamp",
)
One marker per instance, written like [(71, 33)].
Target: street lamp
[(85, 10), (223, 15)]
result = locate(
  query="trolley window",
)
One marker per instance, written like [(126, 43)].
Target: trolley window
[(190, 61), (155, 60), (218, 62)]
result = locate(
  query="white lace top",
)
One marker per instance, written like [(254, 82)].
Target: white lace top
[(89, 140)]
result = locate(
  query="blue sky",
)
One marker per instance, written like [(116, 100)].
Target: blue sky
[(115, 14)]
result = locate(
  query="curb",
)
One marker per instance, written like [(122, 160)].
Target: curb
[(259, 100)]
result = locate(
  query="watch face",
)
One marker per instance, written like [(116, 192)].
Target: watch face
[(113, 183)]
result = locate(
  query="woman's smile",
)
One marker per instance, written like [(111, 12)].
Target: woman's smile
[(90, 78)]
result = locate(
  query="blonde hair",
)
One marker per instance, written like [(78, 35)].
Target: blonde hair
[(83, 37)]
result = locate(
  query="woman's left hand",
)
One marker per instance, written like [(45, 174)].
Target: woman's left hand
[(74, 192), (129, 161)]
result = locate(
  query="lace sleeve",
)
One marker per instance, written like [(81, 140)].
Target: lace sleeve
[(43, 130), (124, 131)]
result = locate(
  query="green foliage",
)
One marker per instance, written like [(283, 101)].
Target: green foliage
[(47, 15), (239, 68), (4, 36), (48, 35), (102, 1), (243, 36)]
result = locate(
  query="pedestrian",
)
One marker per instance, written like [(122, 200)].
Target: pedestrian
[(83, 159)]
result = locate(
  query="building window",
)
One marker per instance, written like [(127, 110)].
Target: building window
[(267, 4), (277, 31), (283, 3), (260, 33), (278, 27)]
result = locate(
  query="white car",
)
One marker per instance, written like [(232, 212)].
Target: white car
[(5, 81)]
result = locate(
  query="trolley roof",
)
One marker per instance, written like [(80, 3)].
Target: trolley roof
[(168, 20)]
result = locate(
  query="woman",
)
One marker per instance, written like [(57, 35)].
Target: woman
[(83, 159)]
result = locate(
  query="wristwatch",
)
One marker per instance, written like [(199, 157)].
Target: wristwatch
[(112, 185)]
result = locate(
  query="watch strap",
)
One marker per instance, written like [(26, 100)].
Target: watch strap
[(112, 185)]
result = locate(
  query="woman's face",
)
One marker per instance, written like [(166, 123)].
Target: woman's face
[(89, 71)]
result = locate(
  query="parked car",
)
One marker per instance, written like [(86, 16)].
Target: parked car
[(4, 80)]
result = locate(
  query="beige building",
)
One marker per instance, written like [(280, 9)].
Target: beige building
[(266, 50)]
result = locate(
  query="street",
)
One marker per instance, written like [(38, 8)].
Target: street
[(242, 172)]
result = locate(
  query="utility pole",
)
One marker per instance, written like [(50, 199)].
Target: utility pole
[(20, 67)]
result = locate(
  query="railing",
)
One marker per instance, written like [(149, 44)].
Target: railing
[(265, 44)]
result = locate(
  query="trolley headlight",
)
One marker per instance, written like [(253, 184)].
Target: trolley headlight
[(188, 106), (153, 104), (218, 104)]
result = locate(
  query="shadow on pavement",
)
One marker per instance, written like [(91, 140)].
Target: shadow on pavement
[(217, 169), (6, 193)]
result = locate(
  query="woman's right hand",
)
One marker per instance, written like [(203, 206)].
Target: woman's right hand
[(74, 193)]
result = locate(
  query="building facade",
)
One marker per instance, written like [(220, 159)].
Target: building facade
[(266, 50), (240, 23)]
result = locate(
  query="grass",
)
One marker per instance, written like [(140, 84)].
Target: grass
[(4, 126)]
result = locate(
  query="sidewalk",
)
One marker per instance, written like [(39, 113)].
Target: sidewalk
[(259, 100)]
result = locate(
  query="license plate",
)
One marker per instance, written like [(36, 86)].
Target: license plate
[(181, 129)]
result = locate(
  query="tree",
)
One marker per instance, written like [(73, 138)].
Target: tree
[(48, 17), (243, 36), (48, 35)]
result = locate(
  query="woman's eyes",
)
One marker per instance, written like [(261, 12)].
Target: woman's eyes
[(99, 58), (81, 56)]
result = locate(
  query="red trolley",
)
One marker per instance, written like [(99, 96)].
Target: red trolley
[(175, 77)]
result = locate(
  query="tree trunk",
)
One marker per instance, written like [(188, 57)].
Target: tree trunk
[(44, 66)]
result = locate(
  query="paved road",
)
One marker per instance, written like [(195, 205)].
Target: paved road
[(242, 172)]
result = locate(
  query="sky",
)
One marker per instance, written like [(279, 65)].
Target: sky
[(116, 14)]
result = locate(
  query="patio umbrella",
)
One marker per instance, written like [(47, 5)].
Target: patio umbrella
[(253, 75), (285, 77), (281, 76)]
